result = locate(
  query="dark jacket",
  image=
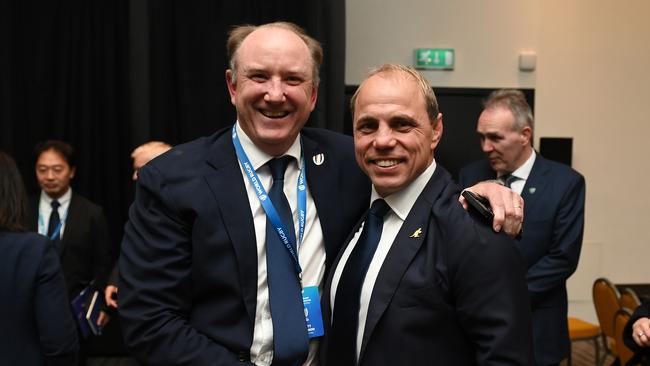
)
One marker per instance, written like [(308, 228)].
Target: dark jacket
[(36, 325)]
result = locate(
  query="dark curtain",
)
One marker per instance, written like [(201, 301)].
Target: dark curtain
[(188, 94), (108, 75), (64, 76)]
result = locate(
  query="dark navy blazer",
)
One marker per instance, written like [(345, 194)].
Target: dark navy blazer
[(454, 295), (37, 327), (188, 266), (554, 204)]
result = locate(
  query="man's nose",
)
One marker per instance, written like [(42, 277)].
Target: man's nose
[(275, 91), (384, 138), (487, 146)]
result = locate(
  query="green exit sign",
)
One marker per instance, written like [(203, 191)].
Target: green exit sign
[(434, 58)]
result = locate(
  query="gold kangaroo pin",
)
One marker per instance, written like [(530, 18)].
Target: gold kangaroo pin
[(416, 233)]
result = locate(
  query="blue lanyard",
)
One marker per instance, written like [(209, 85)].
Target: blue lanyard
[(266, 203)]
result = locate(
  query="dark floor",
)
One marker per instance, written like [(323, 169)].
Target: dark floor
[(583, 354)]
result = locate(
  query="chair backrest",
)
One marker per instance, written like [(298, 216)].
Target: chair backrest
[(629, 299), (620, 319), (607, 302)]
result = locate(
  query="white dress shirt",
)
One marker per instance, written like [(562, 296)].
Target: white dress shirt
[(400, 203), (311, 252), (45, 210), (522, 173)]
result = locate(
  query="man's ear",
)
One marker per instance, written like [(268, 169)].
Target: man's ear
[(526, 135), (232, 85), (72, 171), (437, 131)]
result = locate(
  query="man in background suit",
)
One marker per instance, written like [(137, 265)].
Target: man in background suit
[(82, 236), (554, 211), (76, 226), (200, 264), (434, 286), (141, 155)]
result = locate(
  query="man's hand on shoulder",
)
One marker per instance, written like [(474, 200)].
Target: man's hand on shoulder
[(507, 206)]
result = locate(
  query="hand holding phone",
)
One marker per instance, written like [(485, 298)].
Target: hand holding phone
[(479, 205)]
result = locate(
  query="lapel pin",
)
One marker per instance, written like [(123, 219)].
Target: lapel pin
[(532, 190), (416, 233), (318, 159)]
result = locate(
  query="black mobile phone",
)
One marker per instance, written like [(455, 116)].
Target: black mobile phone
[(480, 205)]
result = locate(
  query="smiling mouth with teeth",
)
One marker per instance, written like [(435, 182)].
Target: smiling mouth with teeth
[(386, 163), (275, 114)]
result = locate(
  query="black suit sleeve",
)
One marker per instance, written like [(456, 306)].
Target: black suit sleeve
[(642, 311), (489, 286), (57, 330), (156, 282)]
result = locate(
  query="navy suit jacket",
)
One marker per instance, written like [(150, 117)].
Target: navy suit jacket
[(554, 203), (85, 248), (188, 265), (455, 295), (37, 325)]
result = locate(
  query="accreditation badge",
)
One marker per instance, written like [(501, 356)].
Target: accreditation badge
[(313, 314)]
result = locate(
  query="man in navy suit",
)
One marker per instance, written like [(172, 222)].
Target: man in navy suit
[(437, 287), (195, 285), (555, 199)]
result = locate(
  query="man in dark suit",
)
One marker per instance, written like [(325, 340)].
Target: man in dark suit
[(210, 273), (434, 286), (76, 226), (80, 231), (555, 198)]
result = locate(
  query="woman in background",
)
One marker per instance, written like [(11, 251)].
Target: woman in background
[(36, 324)]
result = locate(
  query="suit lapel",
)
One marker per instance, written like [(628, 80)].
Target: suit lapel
[(535, 184), (223, 175), (405, 246), (320, 172)]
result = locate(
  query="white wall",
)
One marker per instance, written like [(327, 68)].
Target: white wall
[(592, 83), (380, 31)]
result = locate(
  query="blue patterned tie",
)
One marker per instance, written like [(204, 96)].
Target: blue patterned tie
[(343, 336), (290, 340)]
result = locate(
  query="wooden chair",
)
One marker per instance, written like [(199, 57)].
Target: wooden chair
[(620, 319), (580, 330), (629, 299), (607, 302)]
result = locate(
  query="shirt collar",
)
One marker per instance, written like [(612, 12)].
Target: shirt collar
[(403, 200), (524, 170), (257, 157), (63, 200)]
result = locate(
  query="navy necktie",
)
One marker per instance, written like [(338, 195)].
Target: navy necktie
[(508, 179), (55, 220), (290, 340), (343, 336)]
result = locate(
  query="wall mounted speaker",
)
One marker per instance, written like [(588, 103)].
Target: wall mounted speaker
[(558, 149)]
